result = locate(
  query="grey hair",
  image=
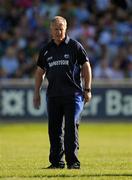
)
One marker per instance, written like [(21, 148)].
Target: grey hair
[(58, 18)]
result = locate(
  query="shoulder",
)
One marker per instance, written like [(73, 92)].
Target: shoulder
[(76, 43), (45, 47)]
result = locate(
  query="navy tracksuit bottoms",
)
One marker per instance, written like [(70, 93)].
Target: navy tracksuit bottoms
[(63, 121)]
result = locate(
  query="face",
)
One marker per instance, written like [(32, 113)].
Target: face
[(58, 31)]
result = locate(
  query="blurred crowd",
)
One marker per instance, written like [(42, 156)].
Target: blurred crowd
[(104, 27)]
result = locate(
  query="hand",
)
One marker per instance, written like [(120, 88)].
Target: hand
[(87, 96), (36, 100)]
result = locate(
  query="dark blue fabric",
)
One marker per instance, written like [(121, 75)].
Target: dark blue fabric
[(63, 65), (63, 116)]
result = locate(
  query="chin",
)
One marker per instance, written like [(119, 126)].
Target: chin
[(59, 40)]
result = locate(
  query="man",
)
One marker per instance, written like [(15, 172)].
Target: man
[(60, 61)]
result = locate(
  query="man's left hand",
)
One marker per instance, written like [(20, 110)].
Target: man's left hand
[(87, 97)]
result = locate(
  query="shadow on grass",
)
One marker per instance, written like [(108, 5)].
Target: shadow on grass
[(74, 175), (84, 175)]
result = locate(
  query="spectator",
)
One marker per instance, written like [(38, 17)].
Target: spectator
[(26, 65), (96, 24), (117, 73), (9, 64), (102, 70)]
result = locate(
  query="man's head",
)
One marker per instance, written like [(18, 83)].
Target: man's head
[(58, 29)]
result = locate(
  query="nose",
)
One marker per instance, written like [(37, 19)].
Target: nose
[(59, 32)]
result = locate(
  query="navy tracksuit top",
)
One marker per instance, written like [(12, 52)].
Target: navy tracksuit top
[(63, 64)]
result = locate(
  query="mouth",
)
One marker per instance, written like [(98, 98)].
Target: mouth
[(59, 37)]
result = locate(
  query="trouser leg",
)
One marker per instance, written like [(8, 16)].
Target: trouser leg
[(55, 129), (72, 110)]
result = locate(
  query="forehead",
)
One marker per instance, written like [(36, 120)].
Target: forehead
[(58, 24)]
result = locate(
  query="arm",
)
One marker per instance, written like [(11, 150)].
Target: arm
[(39, 76), (87, 77)]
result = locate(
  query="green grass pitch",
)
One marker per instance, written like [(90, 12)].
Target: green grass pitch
[(105, 152)]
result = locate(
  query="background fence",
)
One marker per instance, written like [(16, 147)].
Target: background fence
[(112, 100)]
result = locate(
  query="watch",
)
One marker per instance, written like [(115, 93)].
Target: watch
[(87, 89)]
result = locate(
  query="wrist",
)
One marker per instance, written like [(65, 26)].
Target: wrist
[(37, 91), (87, 89)]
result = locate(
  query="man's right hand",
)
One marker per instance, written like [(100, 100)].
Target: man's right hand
[(39, 75), (36, 100)]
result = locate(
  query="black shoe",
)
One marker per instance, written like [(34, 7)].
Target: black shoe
[(60, 166), (74, 166)]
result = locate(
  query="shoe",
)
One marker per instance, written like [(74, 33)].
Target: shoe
[(74, 166), (60, 166)]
